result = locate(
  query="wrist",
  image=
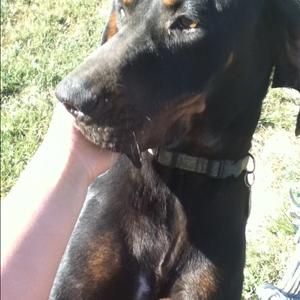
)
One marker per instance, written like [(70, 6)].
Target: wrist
[(59, 164), (68, 152)]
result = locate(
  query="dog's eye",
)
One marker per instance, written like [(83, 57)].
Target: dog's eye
[(185, 23)]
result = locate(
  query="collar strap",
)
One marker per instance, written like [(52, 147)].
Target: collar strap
[(212, 168)]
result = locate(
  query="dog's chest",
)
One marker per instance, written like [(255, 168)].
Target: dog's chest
[(155, 227)]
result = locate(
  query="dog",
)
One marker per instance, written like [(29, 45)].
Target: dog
[(177, 88)]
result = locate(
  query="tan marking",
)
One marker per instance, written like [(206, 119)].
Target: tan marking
[(194, 105), (229, 60), (181, 114), (189, 108), (170, 3), (127, 2), (194, 24), (207, 283), (197, 284), (112, 25), (103, 259)]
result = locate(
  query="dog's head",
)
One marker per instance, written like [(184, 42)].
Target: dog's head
[(169, 68)]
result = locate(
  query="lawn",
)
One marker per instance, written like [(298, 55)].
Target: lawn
[(42, 41)]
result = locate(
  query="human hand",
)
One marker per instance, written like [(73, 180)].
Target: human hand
[(66, 143)]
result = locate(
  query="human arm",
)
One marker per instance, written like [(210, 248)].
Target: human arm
[(39, 214)]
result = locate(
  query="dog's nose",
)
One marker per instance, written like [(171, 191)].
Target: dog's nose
[(73, 93)]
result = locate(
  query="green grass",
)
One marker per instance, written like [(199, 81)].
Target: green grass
[(22, 129), (43, 40)]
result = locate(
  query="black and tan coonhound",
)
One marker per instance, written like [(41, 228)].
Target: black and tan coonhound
[(186, 79)]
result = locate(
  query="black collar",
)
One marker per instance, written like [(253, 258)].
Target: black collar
[(213, 168)]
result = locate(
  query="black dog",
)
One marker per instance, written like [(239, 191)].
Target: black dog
[(187, 79)]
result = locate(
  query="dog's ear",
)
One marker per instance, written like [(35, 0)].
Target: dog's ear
[(285, 26), (286, 38), (111, 27)]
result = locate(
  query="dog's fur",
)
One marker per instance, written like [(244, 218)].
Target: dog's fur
[(188, 76)]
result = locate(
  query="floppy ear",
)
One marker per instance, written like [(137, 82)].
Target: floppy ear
[(286, 38), (111, 27), (286, 30)]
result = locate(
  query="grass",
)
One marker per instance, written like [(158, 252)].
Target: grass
[(43, 40), (268, 253), (270, 229), (22, 129)]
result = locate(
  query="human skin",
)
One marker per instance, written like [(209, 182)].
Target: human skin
[(40, 212)]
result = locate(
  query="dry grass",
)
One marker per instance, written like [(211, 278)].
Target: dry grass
[(270, 231)]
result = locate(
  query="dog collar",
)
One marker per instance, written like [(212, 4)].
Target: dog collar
[(213, 168)]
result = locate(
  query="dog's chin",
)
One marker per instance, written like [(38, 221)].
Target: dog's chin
[(115, 139)]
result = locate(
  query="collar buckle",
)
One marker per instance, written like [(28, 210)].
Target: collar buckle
[(249, 177)]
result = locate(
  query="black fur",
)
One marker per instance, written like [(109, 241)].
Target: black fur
[(189, 77)]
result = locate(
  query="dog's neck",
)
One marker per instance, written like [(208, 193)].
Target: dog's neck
[(218, 139), (224, 130)]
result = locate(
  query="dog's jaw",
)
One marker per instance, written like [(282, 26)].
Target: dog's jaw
[(125, 130), (112, 131), (113, 139)]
